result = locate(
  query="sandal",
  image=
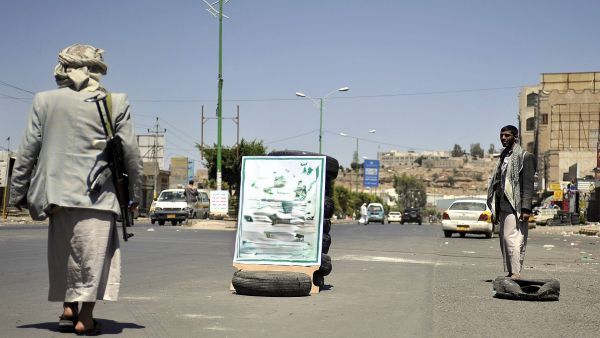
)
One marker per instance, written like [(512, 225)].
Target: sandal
[(93, 331), (66, 324)]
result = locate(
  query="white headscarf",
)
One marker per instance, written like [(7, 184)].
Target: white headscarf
[(80, 67)]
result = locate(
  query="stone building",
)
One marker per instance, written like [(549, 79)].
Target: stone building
[(559, 122)]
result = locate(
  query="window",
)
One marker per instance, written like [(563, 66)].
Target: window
[(530, 123), (544, 118), (531, 99), (469, 206)]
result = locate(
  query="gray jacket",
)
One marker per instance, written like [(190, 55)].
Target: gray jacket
[(57, 159), (518, 186)]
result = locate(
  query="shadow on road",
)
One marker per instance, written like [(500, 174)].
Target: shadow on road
[(108, 326)]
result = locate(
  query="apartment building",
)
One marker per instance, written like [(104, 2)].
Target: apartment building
[(559, 122)]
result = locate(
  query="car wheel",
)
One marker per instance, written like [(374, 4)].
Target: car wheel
[(161, 222), (271, 283), (419, 222), (462, 235), (173, 222), (447, 234), (367, 222), (152, 221), (489, 235), (402, 222)]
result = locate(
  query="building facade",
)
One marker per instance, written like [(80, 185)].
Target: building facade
[(559, 122)]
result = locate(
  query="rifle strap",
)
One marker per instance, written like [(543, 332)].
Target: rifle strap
[(108, 122)]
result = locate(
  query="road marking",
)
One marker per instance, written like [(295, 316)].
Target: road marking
[(384, 259), (138, 298), (201, 316)]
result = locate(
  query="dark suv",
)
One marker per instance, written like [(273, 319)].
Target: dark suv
[(411, 215)]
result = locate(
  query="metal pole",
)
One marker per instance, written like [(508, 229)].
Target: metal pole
[(357, 163), (321, 126), (220, 98), (202, 135)]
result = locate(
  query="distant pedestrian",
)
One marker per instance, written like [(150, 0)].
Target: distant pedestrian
[(56, 174), (363, 214), (191, 192), (510, 194)]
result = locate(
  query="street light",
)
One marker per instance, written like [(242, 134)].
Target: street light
[(371, 131), (320, 104)]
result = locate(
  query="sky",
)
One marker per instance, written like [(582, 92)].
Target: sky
[(424, 74)]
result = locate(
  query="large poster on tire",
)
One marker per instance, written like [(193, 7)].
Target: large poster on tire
[(281, 210)]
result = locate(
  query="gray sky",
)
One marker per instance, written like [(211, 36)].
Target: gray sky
[(425, 74)]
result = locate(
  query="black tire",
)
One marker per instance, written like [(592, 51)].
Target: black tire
[(325, 268), (462, 234), (402, 222), (328, 208), (326, 226), (152, 221), (382, 222), (326, 243), (161, 222), (419, 222), (489, 235), (318, 279), (329, 188), (271, 283), (447, 234), (527, 289), (332, 167)]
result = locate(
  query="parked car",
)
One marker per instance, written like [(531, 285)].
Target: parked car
[(170, 206), (394, 216), (468, 216), (375, 213), (411, 215), (543, 215), (199, 207)]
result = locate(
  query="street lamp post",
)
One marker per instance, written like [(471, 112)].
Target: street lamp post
[(320, 104), (372, 131)]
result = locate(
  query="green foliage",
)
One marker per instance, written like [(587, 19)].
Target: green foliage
[(457, 151), (491, 149), (348, 202), (477, 151), (411, 191), (451, 180), (419, 160), (230, 161)]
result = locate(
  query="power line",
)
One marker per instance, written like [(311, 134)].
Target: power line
[(293, 137), (17, 88), (380, 142), (346, 97)]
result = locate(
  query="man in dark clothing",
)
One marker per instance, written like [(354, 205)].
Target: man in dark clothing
[(191, 193), (509, 198)]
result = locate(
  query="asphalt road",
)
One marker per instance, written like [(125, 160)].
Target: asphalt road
[(387, 281)]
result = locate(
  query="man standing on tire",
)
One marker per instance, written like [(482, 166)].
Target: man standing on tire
[(510, 193)]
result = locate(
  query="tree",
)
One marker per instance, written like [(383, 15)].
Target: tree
[(230, 161), (477, 151), (419, 160), (492, 149), (457, 151), (411, 191)]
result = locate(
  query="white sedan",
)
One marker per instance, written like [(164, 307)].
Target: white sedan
[(394, 216), (468, 216)]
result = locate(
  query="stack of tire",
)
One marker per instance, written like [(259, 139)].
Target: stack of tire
[(262, 283), (332, 168)]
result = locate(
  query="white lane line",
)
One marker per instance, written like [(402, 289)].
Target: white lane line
[(384, 259), (201, 316)]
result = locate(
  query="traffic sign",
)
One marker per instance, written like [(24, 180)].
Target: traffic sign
[(371, 174)]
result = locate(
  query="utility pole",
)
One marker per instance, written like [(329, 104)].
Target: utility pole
[(157, 132), (235, 119)]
